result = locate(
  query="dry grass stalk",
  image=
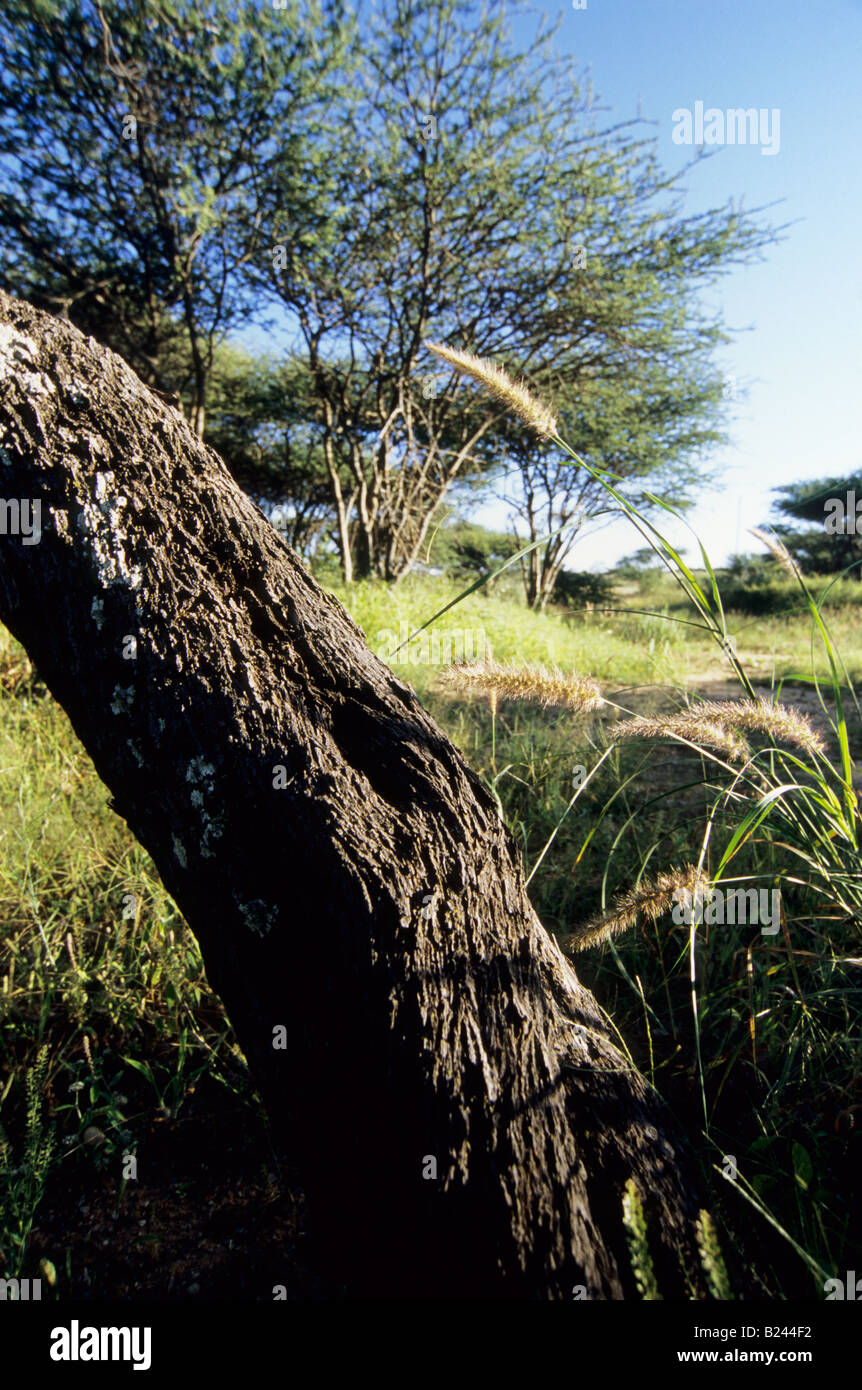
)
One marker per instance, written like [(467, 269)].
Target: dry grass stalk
[(717, 724), (783, 723), (690, 725)]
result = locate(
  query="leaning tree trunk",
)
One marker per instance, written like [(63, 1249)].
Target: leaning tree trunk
[(463, 1124)]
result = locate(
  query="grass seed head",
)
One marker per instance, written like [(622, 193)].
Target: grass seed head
[(719, 724), (690, 725), (782, 722), (650, 900), (514, 394), (777, 550), (579, 694)]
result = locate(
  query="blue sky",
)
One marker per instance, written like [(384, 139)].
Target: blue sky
[(801, 358)]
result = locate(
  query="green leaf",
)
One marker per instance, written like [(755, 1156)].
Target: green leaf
[(802, 1166)]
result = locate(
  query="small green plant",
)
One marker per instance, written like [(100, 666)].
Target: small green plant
[(96, 1109), (710, 1257), (178, 1085), (634, 1221), (22, 1185)]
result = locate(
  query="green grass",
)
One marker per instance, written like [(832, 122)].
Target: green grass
[(771, 625), (604, 646), (646, 636), (106, 1018), (99, 976)]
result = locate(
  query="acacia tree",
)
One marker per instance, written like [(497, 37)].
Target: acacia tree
[(475, 199), (464, 1124), (445, 148), (133, 134)]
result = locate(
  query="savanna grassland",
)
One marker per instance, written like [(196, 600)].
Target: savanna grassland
[(115, 1046)]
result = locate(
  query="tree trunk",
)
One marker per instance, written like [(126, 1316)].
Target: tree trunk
[(341, 510), (462, 1122)]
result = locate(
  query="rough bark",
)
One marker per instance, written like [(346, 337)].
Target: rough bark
[(373, 904)]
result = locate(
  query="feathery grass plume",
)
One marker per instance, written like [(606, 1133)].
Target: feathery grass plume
[(718, 723), (778, 551), (690, 724), (651, 900), (577, 693), (71, 950), (710, 1257), (784, 723), (634, 1221), (514, 394)]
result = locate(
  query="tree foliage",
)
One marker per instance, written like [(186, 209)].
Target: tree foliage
[(134, 140), (261, 420), (173, 172), (467, 550), (479, 201)]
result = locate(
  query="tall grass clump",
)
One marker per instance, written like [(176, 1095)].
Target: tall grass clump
[(753, 1034)]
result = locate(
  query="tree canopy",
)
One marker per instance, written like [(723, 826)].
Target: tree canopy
[(173, 174), (135, 136)]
